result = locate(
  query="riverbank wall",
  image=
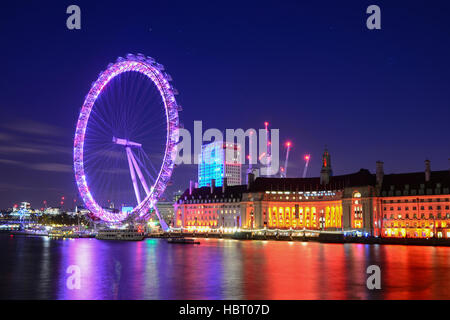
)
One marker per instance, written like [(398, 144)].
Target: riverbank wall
[(323, 238)]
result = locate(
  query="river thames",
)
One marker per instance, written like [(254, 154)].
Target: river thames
[(36, 268)]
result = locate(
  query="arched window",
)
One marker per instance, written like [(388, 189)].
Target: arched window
[(357, 211)]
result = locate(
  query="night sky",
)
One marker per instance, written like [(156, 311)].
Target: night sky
[(310, 68)]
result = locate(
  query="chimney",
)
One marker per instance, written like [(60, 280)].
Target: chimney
[(213, 185), (380, 172), (191, 186), (427, 170), (224, 185), (250, 179)]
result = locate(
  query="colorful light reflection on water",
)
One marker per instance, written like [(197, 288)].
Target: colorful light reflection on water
[(35, 268)]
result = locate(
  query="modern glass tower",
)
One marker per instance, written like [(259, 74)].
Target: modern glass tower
[(219, 160)]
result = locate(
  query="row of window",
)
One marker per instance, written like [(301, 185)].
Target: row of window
[(414, 192), (300, 198), (415, 208), (214, 223), (209, 200), (188, 208), (415, 224), (422, 216), (203, 217), (210, 211), (420, 200)]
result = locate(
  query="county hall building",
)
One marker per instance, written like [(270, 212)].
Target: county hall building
[(412, 205)]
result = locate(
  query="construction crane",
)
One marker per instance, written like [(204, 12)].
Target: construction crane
[(283, 170), (307, 158), (249, 157), (267, 154)]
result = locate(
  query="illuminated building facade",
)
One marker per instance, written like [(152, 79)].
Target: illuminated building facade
[(410, 205), (217, 161), (210, 208), (416, 205), (306, 203)]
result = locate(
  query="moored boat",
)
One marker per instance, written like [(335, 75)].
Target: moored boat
[(120, 234), (59, 234), (182, 241)]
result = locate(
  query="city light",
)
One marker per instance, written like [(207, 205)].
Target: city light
[(182, 203)]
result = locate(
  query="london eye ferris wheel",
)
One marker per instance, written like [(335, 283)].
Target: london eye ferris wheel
[(125, 140)]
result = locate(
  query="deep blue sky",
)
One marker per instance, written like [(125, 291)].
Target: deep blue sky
[(310, 68)]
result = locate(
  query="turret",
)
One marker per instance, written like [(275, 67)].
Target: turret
[(213, 185), (380, 172), (250, 179), (326, 171), (427, 170), (224, 185)]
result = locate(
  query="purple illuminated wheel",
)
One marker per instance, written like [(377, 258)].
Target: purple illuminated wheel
[(125, 139)]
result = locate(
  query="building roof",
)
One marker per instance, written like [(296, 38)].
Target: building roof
[(205, 193), (415, 179), (360, 178)]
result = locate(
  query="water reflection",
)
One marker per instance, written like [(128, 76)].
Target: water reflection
[(35, 268)]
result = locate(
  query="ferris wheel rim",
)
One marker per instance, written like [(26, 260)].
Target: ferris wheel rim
[(148, 67)]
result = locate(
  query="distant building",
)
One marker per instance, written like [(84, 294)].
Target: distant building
[(407, 205), (176, 195), (25, 205), (217, 161), (81, 210), (53, 211), (126, 209), (166, 210)]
